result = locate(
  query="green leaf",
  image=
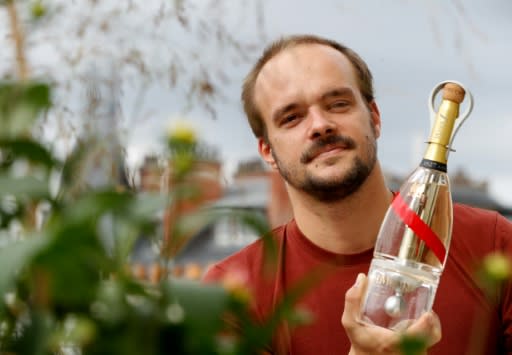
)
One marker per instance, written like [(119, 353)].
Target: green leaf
[(72, 172), (35, 336), (203, 319), (74, 329), (146, 206), (125, 238), (191, 295), (7, 215), (110, 304), (22, 187), (96, 203), (73, 262), (20, 105), (412, 344), (29, 149), (14, 257)]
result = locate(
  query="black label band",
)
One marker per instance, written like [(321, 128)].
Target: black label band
[(431, 164)]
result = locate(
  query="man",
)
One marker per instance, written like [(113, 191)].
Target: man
[(311, 105)]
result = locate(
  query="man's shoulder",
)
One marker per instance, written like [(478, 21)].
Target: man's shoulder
[(470, 216), (465, 211), (480, 227)]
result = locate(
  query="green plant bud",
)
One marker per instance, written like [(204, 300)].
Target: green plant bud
[(497, 267), (37, 9)]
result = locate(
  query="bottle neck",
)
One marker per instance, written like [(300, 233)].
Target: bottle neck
[(436, 155)]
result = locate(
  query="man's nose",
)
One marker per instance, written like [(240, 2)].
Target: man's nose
[(320, 123)]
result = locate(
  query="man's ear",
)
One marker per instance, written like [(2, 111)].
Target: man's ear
[(266, 152), (375, 117)]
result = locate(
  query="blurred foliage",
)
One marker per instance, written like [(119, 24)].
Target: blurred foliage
[(494, 271), (65, 280), (67, 233), (413, 345)]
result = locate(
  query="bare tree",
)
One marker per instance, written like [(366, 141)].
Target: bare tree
[(187, 47)]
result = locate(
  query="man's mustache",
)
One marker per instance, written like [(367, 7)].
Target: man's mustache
[(319, 145)]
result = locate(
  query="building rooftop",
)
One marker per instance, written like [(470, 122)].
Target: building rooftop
[(249, 192)]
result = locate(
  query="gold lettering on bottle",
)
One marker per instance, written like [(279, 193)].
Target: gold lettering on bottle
[(397, 283)]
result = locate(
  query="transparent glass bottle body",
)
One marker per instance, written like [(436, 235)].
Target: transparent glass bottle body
[(404, 273)]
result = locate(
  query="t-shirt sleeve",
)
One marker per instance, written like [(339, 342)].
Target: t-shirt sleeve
[(229, 274), (504, 240), (214, 274)]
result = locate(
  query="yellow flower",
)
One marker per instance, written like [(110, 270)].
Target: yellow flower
[(182, 132)]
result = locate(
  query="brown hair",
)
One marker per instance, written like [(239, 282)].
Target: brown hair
[(364, 76)]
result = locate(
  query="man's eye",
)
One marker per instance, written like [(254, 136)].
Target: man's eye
[(338, 104), (290, 118)]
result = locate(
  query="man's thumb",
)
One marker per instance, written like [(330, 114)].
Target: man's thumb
[(353, 301)]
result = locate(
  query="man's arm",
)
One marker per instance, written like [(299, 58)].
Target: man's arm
[(504, 245), (367, 339)]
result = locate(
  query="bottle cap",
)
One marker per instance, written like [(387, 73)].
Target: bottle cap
[(453, 92)]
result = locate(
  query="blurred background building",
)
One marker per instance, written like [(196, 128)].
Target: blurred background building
[(258, 190)]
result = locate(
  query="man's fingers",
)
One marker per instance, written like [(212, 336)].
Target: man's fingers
[(353, 302), (429, 326), (373, 339)]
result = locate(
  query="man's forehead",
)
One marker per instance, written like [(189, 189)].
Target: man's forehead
[(301, 54), (279, 70)]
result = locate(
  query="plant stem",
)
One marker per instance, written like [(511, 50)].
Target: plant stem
[(19, 40)]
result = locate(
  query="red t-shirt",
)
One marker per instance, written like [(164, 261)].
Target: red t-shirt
[(466, 314)]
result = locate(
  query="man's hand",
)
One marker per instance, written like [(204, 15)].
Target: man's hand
[(366, 339)]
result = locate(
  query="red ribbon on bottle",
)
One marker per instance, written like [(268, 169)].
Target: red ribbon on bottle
[(419, 227)]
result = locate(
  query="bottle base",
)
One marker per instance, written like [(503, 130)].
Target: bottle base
[(397, 294)]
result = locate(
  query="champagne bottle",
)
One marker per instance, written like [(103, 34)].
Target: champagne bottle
[(413, 241)]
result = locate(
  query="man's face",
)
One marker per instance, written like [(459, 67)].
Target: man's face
[(321, 134)]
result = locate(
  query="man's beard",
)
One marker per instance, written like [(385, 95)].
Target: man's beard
[(333, 189)]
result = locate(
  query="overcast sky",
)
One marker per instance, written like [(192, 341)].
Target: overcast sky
[(410, 47)]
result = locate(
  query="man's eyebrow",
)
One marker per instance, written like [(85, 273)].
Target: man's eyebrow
[(337, 92), (281, 111)]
